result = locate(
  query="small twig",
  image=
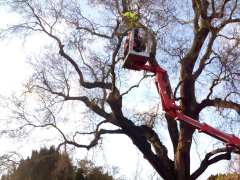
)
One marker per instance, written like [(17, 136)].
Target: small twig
[(137, 85), (175, 91)]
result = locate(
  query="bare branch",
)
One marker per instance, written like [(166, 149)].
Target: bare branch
[(220, 13), (234, 8), (173, 131), (175, 91), (135, 86), (98, 34), (220, 103), (62, 53), (205, 57), (84, 133), (182, 23), (9, 161), (94, 142), (207, 161)]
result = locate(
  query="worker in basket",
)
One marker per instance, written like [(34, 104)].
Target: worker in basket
[(131, 22)]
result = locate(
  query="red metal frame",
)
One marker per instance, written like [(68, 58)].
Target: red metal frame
[(168, 104)]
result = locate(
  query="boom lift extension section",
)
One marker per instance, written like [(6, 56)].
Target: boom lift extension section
[(168, 102)]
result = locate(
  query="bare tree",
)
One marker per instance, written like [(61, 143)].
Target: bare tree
[(9, 162), (80, 70)]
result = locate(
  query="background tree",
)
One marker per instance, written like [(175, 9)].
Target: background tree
[(91, 172), (228, 176), (196, 41), (44, 164), (47, 164)]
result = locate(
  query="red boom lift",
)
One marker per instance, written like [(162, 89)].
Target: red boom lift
[(137, 61)]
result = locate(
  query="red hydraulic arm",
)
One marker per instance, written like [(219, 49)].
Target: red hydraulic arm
[(168, 103)]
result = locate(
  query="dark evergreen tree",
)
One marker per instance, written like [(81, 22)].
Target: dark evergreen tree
[(79, 174), (88, 171), (47, 164), (44, 165), (98, 174), (228, 176)]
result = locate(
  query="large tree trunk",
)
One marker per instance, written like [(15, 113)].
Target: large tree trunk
[(188, 101)]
